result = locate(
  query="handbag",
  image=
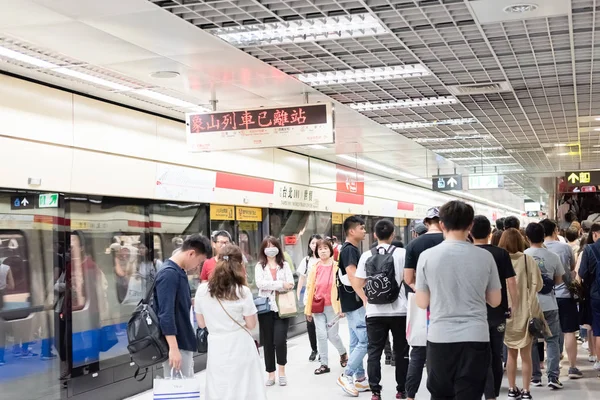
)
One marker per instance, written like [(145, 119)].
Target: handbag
[(287, 303), (417, 322), (238, 324), (177, 387), (202, 340), (263, 305), (535, 325)]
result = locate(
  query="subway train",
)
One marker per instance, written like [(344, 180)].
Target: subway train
[(78, 266)]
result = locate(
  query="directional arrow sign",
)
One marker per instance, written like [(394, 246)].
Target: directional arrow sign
[(443, 183), (573, 178), (24, 202), (21, 203)]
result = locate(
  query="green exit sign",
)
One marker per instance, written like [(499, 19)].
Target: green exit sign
[(48, 200)]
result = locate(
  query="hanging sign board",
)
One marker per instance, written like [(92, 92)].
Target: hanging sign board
[(221, 213), (251, 214), (262, 127), (443, 183), (486, 182), (337, 219)]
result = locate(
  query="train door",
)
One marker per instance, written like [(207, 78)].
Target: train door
[(31, 236)]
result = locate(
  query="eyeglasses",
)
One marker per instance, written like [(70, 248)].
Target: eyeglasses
[(222, 242)]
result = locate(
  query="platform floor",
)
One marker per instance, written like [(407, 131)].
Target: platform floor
[(303, 384)]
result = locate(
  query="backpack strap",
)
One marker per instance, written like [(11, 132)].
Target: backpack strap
[(149, 294), (137, 374)]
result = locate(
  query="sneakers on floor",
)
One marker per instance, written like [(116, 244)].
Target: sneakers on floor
[(526, 395), (592, 358), (347, 385), (597, 365), (376, 396), (362, 385), (401, 395), (536, 382), (313, 356), (575, 373), (555, 383), (514, 394)]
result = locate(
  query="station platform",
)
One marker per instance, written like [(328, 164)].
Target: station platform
[(303, 384)]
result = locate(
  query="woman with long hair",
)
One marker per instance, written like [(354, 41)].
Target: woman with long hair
[(517, 337), (273, 275), (224, 306), (323, 305), (304, 270)]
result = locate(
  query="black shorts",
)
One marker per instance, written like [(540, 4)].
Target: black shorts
[(568, 315), (457, 370)]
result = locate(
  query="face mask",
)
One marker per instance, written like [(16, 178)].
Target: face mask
[(271, 251)]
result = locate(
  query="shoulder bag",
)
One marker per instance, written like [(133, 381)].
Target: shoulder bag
[(318, 304), (535, 325), (238, 324), (202, 340)]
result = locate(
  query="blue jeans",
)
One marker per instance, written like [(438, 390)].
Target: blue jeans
[(552, 348), (358, 343)]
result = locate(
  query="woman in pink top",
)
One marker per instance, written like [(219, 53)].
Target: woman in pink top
[(323, 306)]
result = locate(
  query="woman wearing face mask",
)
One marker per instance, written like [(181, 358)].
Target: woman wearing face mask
[(323, 305), (306, 265), (272, 275)]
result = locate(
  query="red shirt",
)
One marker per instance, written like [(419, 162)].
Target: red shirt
[(207, 269), (323, 282)]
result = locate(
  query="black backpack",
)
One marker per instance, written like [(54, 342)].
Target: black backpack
[(382, 286), (147, 345)]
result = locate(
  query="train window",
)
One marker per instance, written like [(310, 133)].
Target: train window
[(158, 252), (14, 272), (135, 266)]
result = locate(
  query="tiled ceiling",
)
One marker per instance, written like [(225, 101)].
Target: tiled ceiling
[(548, 59)]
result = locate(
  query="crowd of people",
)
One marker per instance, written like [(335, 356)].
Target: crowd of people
[(492, 295)]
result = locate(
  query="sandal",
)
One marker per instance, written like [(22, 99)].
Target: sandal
[(323, 369), (344, 360), (270, 382)]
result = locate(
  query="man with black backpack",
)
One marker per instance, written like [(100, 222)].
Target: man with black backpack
[(380, 271), (173, 302)]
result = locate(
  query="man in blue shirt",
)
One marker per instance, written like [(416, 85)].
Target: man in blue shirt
[(588, 271), (173, 302)]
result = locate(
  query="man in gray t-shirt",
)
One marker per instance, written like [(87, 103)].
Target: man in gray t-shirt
[(549, 265), (456, 279)]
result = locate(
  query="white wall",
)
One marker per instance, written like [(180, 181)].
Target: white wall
[(80, 145)]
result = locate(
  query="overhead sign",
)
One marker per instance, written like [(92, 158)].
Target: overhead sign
[(24, 202), (486, 182), (48, 200), (350, 185), (296, 196), (337, 219), (582, 178), (402, 222), (443, 183), (222, 213), (250, 214), (263, 127), (534, 214)]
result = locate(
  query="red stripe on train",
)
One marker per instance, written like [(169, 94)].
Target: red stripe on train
[(351, 198), (144, 224), (244, 183), (49, 219), (406, 206)]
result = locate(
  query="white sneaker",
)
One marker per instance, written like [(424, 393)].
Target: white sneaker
[(597, 365), (585, 345), (592, 358), (347, 385)]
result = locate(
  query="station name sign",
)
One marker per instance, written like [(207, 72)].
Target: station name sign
[(264, 127)]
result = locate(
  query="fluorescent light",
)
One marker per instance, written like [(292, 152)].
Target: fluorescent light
[(25, 58), (478, 158), (305, 30), (444, 139), (597, 119), (412, 125), (559, 145), (379, 167), (91, 79), (467, 149), (424, 102), (363, 75), (316, 147), (163, 98)]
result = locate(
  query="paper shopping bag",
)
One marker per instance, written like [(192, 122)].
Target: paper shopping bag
[(287, 304), (416, 323), (185, 388)]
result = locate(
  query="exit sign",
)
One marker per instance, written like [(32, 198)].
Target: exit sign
[(48, 200)]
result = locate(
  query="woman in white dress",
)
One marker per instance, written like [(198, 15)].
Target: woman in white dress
[(224, 305)]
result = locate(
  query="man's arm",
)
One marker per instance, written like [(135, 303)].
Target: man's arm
[(422, 298), (357, 283), (409, 277), (166, 289), (493, 293), (493, 297), (410, 267)]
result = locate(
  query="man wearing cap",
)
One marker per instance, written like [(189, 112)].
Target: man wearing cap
[(432, 238), (419, 230)]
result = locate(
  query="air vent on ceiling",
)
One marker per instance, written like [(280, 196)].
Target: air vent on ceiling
[(480, 88)]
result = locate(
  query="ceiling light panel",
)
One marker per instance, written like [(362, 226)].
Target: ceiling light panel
[(467, 150), (410, 103), (377, 166), (300, 31), (478, 158), (452, 138), (363, 75), (428, 124)]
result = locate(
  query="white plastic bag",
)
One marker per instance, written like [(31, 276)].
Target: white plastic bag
[(177, 387), (416, 323)]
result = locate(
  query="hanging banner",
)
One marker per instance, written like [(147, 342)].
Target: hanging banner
[(263, 127), (350, 185)]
